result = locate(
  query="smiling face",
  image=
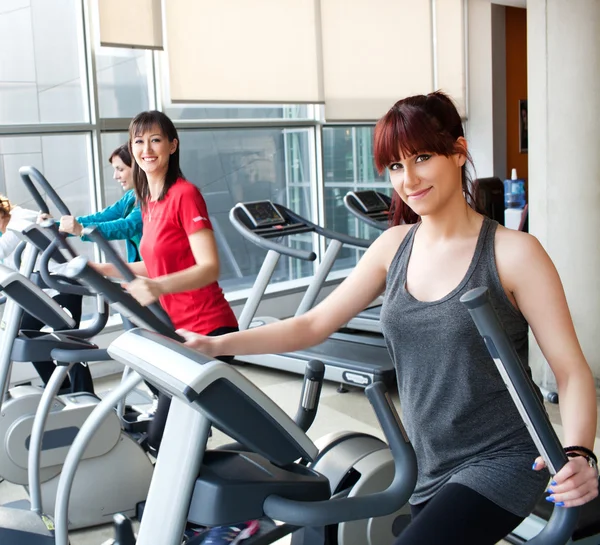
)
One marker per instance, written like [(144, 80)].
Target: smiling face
[(152, 150), (122, 173), (426, 181)]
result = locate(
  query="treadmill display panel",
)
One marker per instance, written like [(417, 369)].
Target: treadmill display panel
[(262, 213), (370, 201)]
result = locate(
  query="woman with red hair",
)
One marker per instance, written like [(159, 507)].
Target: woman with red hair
[(476, 481)]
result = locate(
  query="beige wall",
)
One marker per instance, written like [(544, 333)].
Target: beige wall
[(564, 163)]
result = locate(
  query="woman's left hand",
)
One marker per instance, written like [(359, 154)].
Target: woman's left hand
[(144, 290), (575, 484)]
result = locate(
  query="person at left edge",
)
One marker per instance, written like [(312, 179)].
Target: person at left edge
[(119, 221)]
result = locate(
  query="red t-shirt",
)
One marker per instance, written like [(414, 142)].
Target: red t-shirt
[(165, 249)]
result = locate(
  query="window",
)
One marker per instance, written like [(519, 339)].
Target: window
[(234, 112), (122, 79), (348, 166), (64, 161), (41, 68), (230, 166)]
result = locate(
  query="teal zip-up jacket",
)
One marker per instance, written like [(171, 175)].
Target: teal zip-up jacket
[(119, 221)]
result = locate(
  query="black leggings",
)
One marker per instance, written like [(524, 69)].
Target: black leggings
[(80, 378), (457, 515), (156, 428)]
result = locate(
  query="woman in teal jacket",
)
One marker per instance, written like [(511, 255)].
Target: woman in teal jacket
[(119, 221)]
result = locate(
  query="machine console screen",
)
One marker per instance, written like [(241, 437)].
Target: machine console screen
[(370, 201), (263, 213)]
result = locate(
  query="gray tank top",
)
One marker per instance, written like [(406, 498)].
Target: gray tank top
[(457, 411)]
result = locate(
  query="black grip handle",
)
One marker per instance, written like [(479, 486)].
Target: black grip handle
[(18, 254), (123, 531), (64, 355), (61, 240), (236, 215), (54, 281), (311, 394), (478, 302), (120, 299), (28, 175), (340, 509), (113, 257)]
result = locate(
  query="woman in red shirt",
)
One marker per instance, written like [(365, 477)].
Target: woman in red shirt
[(180, 263)]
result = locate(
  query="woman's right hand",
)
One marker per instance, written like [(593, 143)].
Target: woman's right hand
[(202, 343), (68, 224)]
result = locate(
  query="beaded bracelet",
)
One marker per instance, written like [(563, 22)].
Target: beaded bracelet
[(586, 451)]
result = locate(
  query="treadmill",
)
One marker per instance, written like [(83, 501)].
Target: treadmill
[(357, 360), (373, 208)]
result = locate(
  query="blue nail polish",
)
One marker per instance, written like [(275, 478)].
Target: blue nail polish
[(533, 466), (553, 483), (560, 504), (550, 498), (549, 491)]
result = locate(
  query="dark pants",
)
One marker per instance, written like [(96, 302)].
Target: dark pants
[(458, 515), (156, 427), (80, 378)]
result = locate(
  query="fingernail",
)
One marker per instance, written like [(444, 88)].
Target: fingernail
[(549, 491), (553, 483), (550, 498), (534, 465), (560, 504)]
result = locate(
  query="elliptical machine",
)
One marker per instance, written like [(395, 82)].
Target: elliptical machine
[(118, 471), (209, 484)]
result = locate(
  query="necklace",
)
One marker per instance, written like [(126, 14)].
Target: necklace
[(150, 210)]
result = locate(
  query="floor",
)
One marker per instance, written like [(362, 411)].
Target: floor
[(349, 411)]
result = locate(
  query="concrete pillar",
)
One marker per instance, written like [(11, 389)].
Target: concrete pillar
[(564, 157)]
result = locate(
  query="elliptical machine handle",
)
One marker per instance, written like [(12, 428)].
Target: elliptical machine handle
[(60, 238), (95, 236), (341, 508), (113, 257), (18, 254), (28, 174), (564, 520), (54, 281)]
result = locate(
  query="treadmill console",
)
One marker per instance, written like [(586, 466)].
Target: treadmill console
[(370, 201), (262, 213)]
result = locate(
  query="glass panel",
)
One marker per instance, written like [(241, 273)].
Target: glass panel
[(230, 166), (41, 74), (64, 160), (122, 76), (348, 166), (221, 112)]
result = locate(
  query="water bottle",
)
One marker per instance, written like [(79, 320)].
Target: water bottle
[(514, 200), (514, 191)]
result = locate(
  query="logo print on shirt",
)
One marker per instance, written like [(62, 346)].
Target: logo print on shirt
[(199, 218)]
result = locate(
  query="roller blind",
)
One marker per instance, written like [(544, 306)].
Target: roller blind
[(375, 52), (263, 51), (130, 23)]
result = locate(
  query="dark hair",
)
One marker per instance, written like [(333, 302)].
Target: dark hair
[(122, 152), (140, 124), (422, 123)]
